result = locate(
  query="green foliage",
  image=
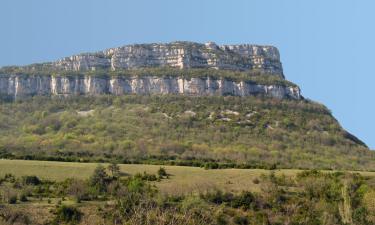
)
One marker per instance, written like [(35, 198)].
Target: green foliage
[(224, 132), (211, 165), (31, 180), (240, 220), (67, 215), (146, 176), (23, 198), (99, 178), (312, 197), (245, 200), (10, 217), (79, 189), (12, 199), (115, 169), (253, 76), (162, 172)]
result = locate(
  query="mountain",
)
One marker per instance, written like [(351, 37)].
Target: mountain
[(175, 68), (180, 103)]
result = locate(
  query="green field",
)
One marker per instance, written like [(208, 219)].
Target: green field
[(182, 180)]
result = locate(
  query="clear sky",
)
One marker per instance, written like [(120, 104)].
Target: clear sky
[(327, 46)]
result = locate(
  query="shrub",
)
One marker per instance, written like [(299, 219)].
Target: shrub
[(162, 172), (79, 190), (23, 198), (99, 178), (10, 178), (240, 220), (10, 216), (211, 165), (31, 180), (245, 200), (12, 199), (147, 177), (67, 214), (221, 220), (115, 169)]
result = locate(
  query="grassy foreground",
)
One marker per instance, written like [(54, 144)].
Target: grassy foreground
[(45, 192), (183, 179)]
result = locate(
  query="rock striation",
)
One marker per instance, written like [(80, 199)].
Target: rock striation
[(181, 55), (28, 85)]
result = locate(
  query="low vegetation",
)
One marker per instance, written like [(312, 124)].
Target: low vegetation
[(253, 76), (310, 197)]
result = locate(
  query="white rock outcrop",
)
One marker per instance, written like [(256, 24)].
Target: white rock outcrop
[(47, 78), (29, 85), (180, 55)]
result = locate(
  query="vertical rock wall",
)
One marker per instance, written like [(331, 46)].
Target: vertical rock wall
[(24, 85)]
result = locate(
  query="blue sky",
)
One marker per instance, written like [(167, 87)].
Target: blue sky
[(327, 47)]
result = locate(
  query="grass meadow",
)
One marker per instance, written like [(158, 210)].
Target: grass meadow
[(182, 180)]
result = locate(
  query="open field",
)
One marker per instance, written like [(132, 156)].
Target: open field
[(182, 179)]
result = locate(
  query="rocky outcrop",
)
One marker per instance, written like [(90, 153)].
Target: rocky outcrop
[(243, 57), (79, 74), (19, 86)]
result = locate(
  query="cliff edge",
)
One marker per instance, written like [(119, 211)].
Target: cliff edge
[(186, 68)]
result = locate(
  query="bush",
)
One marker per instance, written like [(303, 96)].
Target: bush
[(67, 214), (99, 178), (240, 220), (23, 198), (162, 172), (115, 169), (78, 189), (147, 177), (31, 180), (211, 165), (10, 178), (245, 200), (12, 216), (12, 199), (218, 197)]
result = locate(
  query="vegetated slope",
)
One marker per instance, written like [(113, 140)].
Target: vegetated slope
[(199, 131)]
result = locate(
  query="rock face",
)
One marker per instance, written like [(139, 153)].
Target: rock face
[(183, 55), (180, 55), (27, 85)]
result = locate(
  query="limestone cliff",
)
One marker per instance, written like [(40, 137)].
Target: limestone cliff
[(180, 55), (80, 76), (26, 85)]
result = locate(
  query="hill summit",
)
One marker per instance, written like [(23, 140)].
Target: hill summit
[(174, 68), (243, 57)]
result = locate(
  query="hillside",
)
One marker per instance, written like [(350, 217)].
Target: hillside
[(178, 103), (249, 132)]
